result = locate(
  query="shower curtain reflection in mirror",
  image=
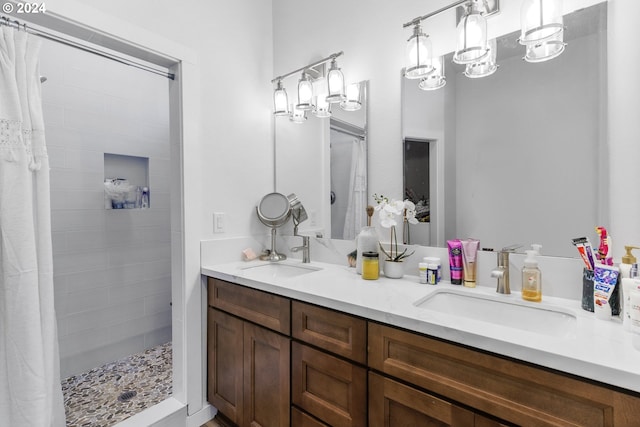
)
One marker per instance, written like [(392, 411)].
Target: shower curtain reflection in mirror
[(348, 180), (30, 390)]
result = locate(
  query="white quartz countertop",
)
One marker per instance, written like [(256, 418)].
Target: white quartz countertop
[(596, 349)]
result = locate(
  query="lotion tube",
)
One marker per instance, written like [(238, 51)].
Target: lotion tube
[(469, 254), (455, 261)]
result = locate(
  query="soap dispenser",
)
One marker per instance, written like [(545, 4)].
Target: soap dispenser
[(629, 266), (628, 275), (531, 278)]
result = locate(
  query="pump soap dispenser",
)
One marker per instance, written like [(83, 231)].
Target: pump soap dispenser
[(531, 278), (628, 274), (629, 266)]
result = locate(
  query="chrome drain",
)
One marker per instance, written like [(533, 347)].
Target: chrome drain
[(127, 396)]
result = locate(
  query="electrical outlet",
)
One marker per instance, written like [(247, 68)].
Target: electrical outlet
[(218, 222), (313, 220)]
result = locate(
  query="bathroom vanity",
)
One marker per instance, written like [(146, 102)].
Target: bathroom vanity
[(322, 347)]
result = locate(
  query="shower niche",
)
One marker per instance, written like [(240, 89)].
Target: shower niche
[(126, 182)]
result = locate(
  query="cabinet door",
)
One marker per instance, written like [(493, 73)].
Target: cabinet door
[(224, 364), (392, 404), (338, 333), (266, 378), (331, 389)]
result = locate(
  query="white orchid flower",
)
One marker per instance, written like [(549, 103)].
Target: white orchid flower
[(410, 212), (387, 218)]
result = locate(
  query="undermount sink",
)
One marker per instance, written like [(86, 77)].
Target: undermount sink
[(276, 270), (503, 311)]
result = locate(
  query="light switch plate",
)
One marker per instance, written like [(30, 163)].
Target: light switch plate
[(218, 222)]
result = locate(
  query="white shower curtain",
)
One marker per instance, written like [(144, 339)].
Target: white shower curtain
[(356, 207), (30, 390)]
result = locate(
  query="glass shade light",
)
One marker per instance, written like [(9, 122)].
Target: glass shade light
[(280, 101), (335, 83), (472, 37), (436, 79), (297, 115), (322, 108), (486, 66), (352, 101), (546, 49), (305, 93), (540, 20), (418, 55)]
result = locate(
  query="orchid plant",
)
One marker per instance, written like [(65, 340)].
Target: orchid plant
[(388, 211)]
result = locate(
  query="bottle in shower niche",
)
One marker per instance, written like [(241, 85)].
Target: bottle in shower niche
[(144, 202), (531, 278)]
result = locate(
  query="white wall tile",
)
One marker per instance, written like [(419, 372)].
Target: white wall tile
[(69, 219), (57, 157), (94, 319), (140, 326)]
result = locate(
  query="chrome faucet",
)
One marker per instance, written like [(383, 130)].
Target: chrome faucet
[(306, 258), (304, 248), (501, 272)]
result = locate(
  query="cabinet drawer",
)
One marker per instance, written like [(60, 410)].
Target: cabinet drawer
[(331, 389), (339, 333), (393, 404), (270, 311), (509, 390), (300, 419)]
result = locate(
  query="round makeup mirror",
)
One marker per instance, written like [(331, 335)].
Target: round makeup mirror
[(273, 211)]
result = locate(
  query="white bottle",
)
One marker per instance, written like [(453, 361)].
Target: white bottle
[(422, 271), (436, 262), (634, 309), (628, 272)]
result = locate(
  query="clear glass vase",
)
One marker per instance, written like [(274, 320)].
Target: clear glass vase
[(367, 241)]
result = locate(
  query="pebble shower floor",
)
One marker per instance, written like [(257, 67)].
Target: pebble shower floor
[(104, 396)]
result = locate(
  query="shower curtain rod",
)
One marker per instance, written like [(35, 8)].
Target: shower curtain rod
[(45, 35), (346, 128)]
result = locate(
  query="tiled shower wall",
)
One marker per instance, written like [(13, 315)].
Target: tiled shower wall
[(112, 268)]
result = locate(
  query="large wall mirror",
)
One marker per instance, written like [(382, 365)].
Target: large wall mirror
[(517, 157), (324, 161), (520, 156)]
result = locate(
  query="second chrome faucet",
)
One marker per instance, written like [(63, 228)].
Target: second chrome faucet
[(501, 272)]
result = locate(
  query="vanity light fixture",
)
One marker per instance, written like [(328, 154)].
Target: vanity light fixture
[(305, 93), (298, 115), (335, 83), (472, 36), (352, 101), (542, 29), (540, 20), (486, 66), (436, 79), (280, 100), (334, 93), (542, 32), (322, 108), (418, 54)]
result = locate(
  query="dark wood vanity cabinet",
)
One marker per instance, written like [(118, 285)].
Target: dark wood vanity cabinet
[(516, 392), (248, 365), (274, 362)]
